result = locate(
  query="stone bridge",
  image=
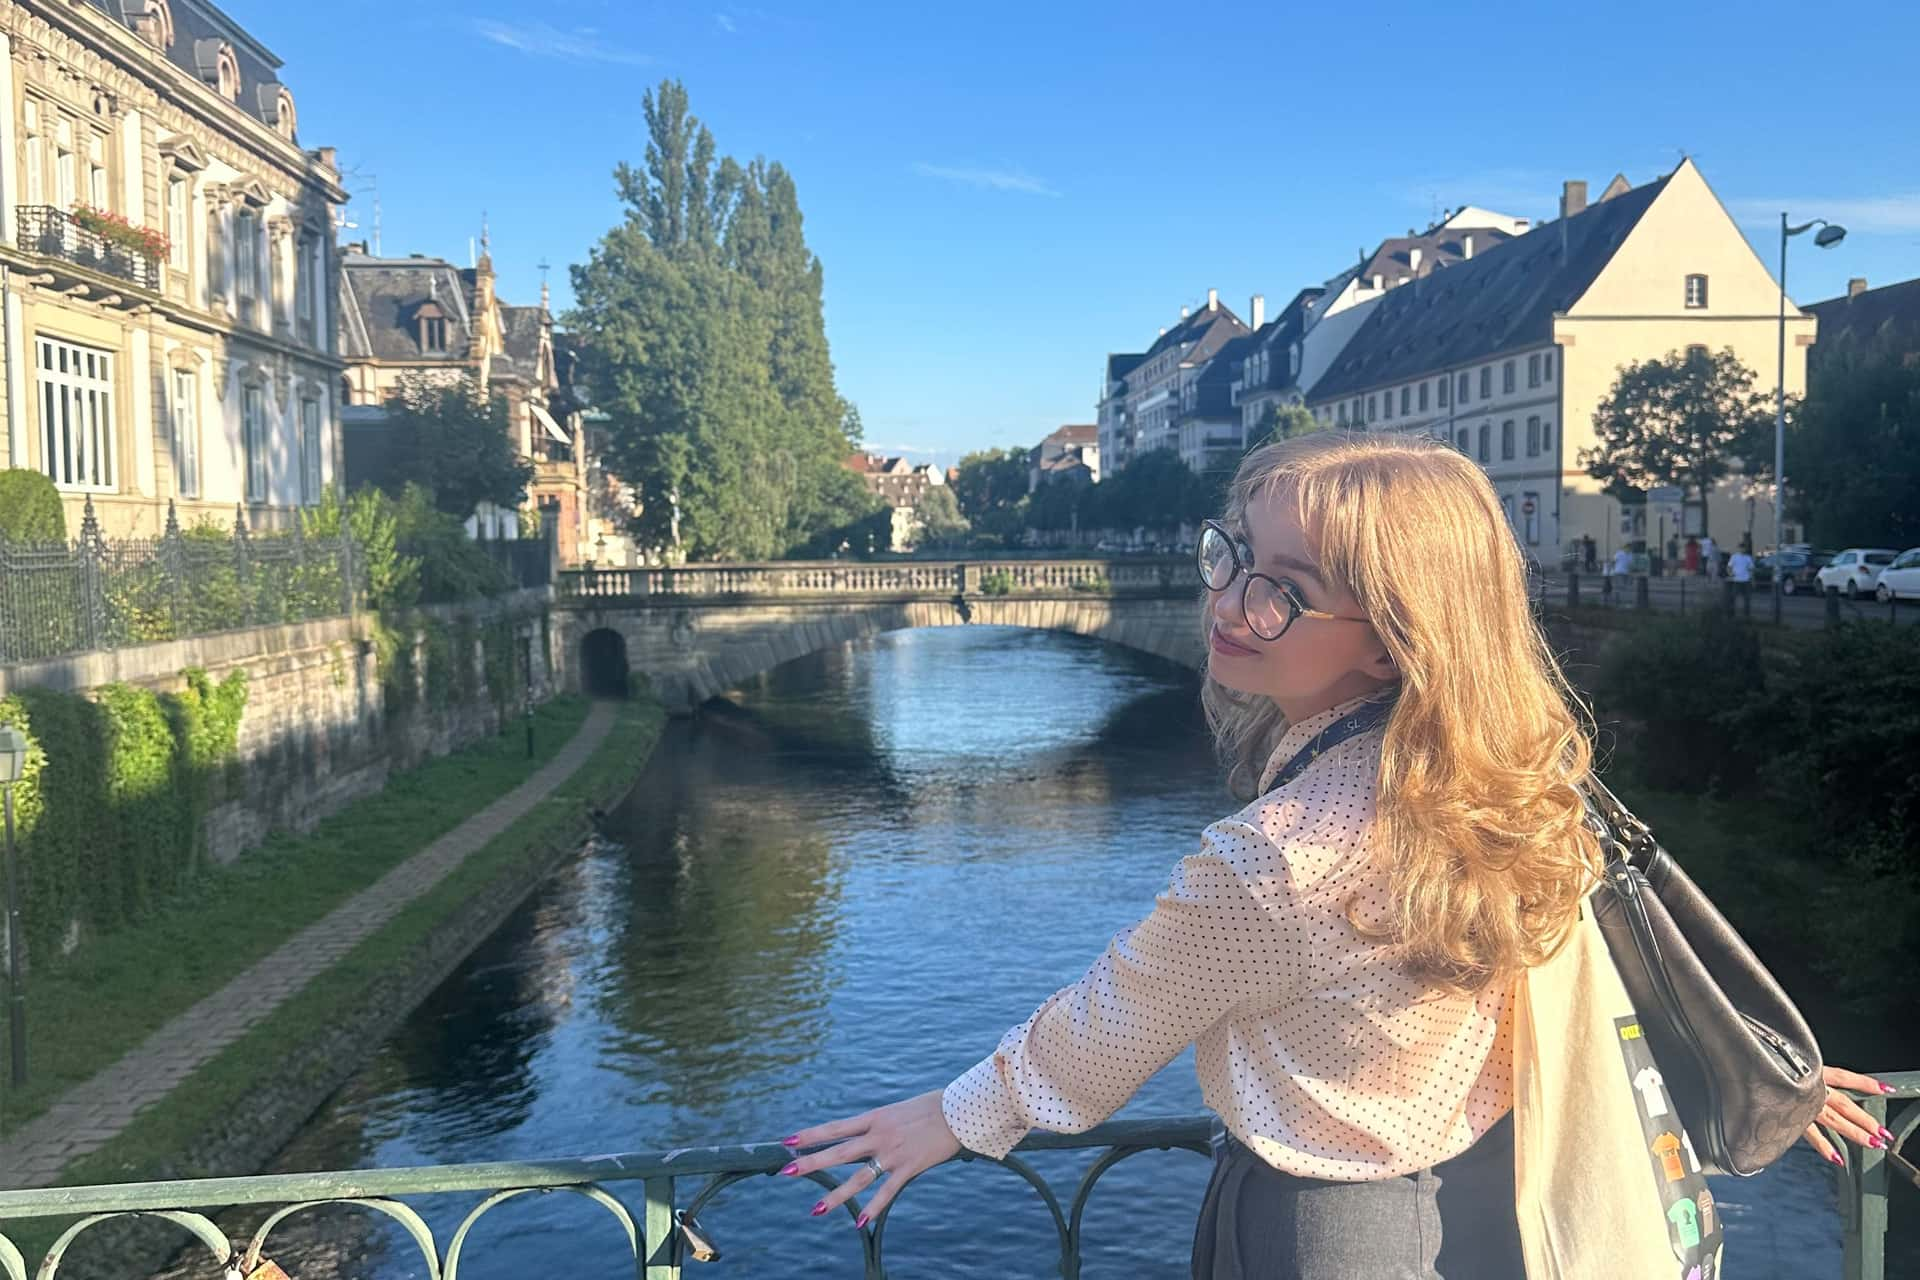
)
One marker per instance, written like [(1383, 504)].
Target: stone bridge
[(699, 630)]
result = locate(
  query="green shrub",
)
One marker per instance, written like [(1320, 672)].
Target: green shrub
[(108, 814), (30, 509), (997, 583), (1687, 681)]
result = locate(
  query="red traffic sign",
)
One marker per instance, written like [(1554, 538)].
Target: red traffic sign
[(1526, 507)]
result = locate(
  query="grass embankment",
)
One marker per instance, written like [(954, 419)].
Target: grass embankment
[(154, 1145), (86, 1010)]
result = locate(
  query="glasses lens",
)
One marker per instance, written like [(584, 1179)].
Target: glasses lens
[(1268, 611), (1216, 559)]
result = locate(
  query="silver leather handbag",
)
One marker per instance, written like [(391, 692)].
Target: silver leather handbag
[(1739, 1061)]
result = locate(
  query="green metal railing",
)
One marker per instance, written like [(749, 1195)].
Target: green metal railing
[(662, 1233)]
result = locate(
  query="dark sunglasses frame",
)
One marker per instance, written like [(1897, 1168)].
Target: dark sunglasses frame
[(1296, 607)]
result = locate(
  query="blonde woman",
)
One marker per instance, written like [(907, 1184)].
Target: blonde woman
[(1343, 949)]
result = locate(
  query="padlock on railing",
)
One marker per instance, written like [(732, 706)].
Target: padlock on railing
[(263, 1269), (703, 1249)]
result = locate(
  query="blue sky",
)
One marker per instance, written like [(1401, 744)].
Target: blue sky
[(1002, 194)]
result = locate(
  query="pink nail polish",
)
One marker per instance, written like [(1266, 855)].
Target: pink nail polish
[(1876, 1144), (1886, 1135), (820, 1208), (1886, 1088), (860, 1221), (1834, 1156), (790, 1170), (790, 1142)]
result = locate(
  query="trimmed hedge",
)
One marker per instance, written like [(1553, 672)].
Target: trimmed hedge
[(30, 509), (108, 813)]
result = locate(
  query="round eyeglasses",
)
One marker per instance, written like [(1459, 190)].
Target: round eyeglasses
[(1270, 605)]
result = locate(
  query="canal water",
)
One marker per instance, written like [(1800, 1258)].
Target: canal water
[(835, 890)]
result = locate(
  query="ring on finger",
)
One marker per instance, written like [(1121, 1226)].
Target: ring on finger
[(874, 1165)]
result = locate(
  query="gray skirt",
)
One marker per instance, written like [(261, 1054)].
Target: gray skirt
[(1455, 1221)]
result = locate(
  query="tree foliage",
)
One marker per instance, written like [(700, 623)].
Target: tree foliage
[(991, 488), (1283, 423), (1678, 420), (456, 444), (706, 346), (1853, 451), (30, 508), (1157, 492), (938, 514)]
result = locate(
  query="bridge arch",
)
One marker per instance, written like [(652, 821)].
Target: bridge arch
[(604, 668), (697, 632)]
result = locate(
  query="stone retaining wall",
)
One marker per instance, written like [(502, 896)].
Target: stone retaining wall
[(317, 733)]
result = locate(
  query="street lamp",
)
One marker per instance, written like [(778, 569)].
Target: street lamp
[(1829, 235), (13, 764)]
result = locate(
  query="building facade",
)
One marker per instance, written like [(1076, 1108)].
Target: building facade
[(424, 317), (1506, 355), (1068, 455), (166, 252), (902, 486), (1144, 412)]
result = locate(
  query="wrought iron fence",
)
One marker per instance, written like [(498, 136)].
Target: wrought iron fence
[(659, 1228), (69, 597), (55, 233)]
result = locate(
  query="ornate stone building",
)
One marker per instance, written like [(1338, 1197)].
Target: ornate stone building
[(418, 315), (166, 252)]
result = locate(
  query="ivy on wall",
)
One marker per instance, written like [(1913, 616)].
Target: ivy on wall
[(108, 813)]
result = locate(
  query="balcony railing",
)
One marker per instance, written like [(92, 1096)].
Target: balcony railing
[(661, 1226), (55, 233)]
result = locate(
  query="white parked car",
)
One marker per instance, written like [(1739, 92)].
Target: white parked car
[(1854, 571), (1901, 579)]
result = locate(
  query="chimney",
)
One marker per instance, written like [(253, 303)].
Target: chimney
[(1213, 299), (1257, 310), (1466, 245), (1413, 260), (1183, 313), (1573, 198), (1856, 286), (1379, 281)]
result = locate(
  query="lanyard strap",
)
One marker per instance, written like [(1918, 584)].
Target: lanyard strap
[(1358, 721)]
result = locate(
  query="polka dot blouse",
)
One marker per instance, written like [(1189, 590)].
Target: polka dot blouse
[(1314, 1048)]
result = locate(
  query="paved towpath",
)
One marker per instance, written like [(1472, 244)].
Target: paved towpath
[(89, 1115)]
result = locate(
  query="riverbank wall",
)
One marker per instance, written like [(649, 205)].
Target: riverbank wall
[(333, 706)]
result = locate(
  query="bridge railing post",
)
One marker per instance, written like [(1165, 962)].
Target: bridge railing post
[(969, 583)]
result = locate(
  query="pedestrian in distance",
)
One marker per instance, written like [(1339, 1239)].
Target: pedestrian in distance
[(1709, 557), (1692, 560), (1347, 950), (1591, 552), (1622, 563)]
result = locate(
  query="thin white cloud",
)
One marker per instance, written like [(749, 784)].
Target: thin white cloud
[(988, 179), (900, 450), (725, 23), (583, 44), (1872, 215)]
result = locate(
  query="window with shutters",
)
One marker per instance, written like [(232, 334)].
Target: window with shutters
[(186, 434), (253, 423)]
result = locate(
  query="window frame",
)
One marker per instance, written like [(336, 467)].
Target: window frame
[(178, 220), (1508, 378), (1694, 303), (1533, 435), (184, 414), (1440, 392), (246, 265), (1486, 382), (1486, 442), (311, 472), (1507, 441), (253, 443), (1533, 370), (75, 400)]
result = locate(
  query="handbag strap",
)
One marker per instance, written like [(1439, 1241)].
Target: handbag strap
[(1355, 722)]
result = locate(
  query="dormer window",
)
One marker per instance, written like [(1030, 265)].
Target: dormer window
[(152, 21), (283, 117), (432, 322), (227, 75)]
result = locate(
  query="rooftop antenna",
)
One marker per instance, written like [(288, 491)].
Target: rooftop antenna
[(545, 297)]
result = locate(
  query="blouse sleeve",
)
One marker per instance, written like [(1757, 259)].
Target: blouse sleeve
[(1226, 930)]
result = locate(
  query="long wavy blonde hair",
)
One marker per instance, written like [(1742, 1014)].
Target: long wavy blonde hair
[(1478, 819)]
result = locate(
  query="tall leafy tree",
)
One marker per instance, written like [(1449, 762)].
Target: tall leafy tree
[(454, 442), (992, 490), (1679, 420), (1279, 423), (706, 346), (1853, 450)]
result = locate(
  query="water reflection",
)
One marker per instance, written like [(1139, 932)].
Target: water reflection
[(834, 890)]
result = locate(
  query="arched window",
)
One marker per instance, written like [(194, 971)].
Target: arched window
[(151, 20), (283, 115), (227, 74), (1463, 440)]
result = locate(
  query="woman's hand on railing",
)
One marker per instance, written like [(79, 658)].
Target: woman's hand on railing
[(907, 1139), (1845, 1116)]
